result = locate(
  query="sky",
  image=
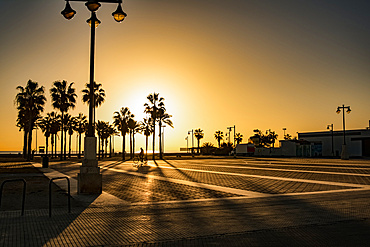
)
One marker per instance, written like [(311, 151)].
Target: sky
[(255, 64)]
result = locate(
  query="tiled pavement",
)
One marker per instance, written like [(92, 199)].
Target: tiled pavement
[(208, 202)]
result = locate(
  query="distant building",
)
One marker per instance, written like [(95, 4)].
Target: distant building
[(358, 142)]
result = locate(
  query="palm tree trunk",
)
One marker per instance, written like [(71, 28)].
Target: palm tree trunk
[(29, 144), (47, 145), (65, 145), (198, 145), (160, 139), (106, 147), (123, 145), (52, 145), (133, 144), (98, 148), (25, 134), (110, 146), (69, 151), (146, 146), (61, 139), (153, 139), (79, 146), (56, 144), (130, 134)]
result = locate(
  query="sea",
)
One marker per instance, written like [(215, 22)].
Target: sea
[(10, 152)]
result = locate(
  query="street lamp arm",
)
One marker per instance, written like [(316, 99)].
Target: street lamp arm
[(103, 1)]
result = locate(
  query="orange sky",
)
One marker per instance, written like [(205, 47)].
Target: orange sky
[(253, 64)]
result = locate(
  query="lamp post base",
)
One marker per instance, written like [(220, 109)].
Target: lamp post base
[(90, 179), (344, 155)]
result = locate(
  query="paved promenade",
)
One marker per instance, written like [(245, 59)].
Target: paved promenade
[(193, 202)]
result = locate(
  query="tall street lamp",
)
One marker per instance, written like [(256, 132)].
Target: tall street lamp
[(187, 144), (192, 141), (344, 154), (284, 129), (229, 128), (89, 178), (331, 128)]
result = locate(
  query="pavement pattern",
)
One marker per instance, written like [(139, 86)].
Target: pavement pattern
[(194, 202)]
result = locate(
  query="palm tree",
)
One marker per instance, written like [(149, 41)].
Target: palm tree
[(30, 103), (111, 131), (22, 123), (155, 103), (163, 117), (101, 128), (146, 129), (198, 133), (134, 127), (55, 127), (80, 127), (99, 96), (238, 138), (69, 124), (219, 135), (64, 98), (121, 122), (45, 125)]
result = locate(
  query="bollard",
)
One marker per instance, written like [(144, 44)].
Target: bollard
[(45, 161)]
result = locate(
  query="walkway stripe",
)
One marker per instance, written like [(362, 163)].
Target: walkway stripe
[(269, 177), (191, 183)]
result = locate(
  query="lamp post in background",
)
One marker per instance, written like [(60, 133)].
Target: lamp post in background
[(344, 154), (187, 144), (284, 129), (192, 141), (90, 178), (331, 128), (229, 128)]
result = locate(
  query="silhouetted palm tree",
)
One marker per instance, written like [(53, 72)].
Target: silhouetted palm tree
[(121, 122), (198, 133), (146, 129), (111, 131), (45, 125), (219, 135), (64, 98), (99, 95), (238, 138), (163, 117), (69, 124), (101, 128), (134, 127), (30, 103), (152, 109), (55, 127), (22, 123), (80, 127)]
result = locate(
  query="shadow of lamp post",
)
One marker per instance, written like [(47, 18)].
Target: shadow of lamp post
[(331, 128), (90, 178), (344, 154)]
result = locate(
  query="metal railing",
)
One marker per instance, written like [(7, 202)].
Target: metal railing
[(69, 193), (24, 190)]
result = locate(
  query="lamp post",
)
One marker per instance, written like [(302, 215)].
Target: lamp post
[(89, 178), (331, 128), (229, 128), (284, 129), (344, 154), (192, 141), (187, 144)]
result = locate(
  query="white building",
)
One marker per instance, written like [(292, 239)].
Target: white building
[(357, 141)]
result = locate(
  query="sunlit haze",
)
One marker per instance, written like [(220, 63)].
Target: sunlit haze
[(254, 64)]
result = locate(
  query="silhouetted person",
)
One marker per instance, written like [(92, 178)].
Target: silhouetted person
[(141, 155)]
